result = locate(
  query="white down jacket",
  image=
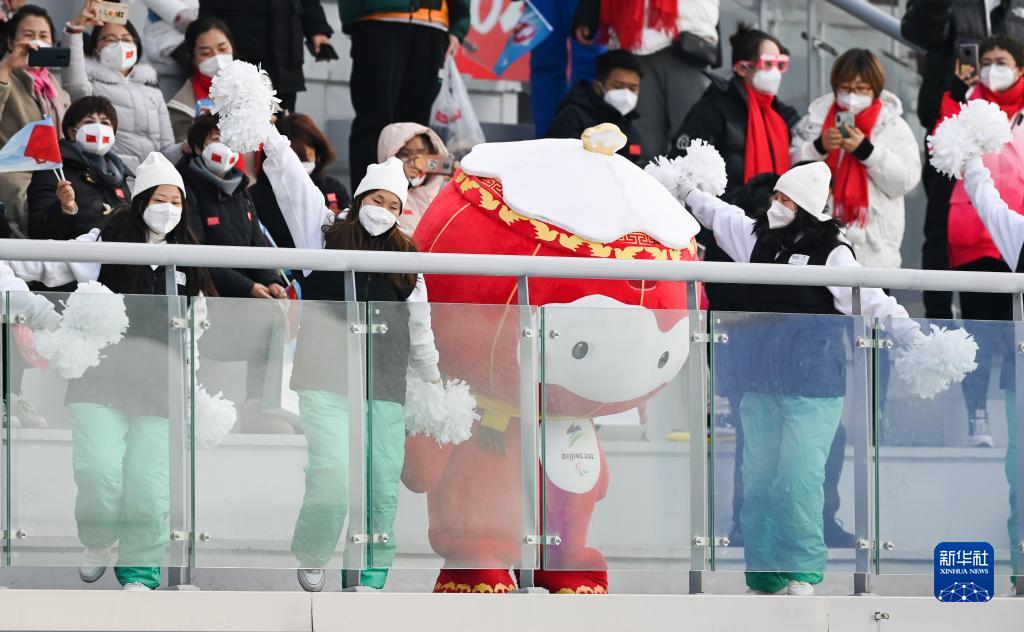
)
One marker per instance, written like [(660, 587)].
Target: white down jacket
[(143, 125), (894, 169)]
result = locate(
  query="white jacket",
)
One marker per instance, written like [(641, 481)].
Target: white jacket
[(160, 37), (143, 125), (894, 169)]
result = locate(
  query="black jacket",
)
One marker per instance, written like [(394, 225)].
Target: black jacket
[(940, 26), (97, 195), (335, 196), (219, 219), (272, 33), (720, 117), (583, 107)]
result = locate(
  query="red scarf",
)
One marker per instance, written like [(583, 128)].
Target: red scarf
[(201, 85), (1011, 101), (626, 18), (767, 136), (849, 175)]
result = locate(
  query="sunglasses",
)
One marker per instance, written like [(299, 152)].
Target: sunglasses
[(766, 62)]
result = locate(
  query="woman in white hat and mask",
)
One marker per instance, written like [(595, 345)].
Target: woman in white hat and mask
[(320, 376), (119, 409), (794, 401)]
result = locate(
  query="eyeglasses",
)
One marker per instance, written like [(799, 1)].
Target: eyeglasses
[(766, 62), (862, 89), (113, 39)]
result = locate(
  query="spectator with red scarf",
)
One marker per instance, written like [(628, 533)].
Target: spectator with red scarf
[(874, 163), (210, 46), (970, 245)]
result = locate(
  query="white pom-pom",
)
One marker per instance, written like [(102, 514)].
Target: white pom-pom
[(981, 128), (215, 418), (93, 319), (446, 413), (244, 98), (942, 359), (702, 167)]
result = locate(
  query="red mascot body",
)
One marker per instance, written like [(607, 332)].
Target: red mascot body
[(567, 202)]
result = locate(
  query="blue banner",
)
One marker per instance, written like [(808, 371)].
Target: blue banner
[(965, 572), (530, 30)]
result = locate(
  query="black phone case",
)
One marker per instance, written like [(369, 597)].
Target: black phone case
[(50, 57)]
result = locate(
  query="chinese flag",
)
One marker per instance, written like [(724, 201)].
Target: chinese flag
[(42, 144)]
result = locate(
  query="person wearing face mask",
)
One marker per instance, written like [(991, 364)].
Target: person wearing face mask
[(114, 70), (793, 402), (410, 142), (371, 223), (610, 98), (316, 154), (95, 185), (222, 211), (119, 408), (970, 246), (874, 163), (26, 95), (210, 47)]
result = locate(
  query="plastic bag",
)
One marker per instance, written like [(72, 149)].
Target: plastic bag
[(452, 115)]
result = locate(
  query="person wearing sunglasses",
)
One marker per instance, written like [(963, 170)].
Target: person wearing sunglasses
[(113, 70)]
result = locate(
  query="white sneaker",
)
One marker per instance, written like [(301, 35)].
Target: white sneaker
[(799, 589), (94, 564), (135, 587), (311, 579)]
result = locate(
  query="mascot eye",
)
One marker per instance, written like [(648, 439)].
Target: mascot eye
[(663, 360), (580, 349)]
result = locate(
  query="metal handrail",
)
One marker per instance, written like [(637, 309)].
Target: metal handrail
[(507, 265), (875, 18)]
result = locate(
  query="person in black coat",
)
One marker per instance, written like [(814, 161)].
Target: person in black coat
[(95, 184), (222, 211), (316, 154), (273, 33), (610, 98)]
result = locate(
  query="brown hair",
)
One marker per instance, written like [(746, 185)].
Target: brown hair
[(84, 107), (858, 62), (303, 132), (347, 234)]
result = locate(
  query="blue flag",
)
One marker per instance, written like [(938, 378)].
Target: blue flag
[(530, 30)]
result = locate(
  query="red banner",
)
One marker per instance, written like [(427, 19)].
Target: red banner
[(491, 23)]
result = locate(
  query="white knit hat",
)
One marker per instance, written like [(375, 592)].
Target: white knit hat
[(807, 185), (388, 176), (154, 171)]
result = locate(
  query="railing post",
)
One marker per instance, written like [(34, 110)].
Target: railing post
[(178, 403), (5, 401), (1017, 539), (701, 536), (813, 62), (359, 530), (529, 359), (862, 424)]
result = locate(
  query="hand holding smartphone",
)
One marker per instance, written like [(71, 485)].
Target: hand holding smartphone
[(435, 164), (50, 57), (968, 62), (845, 121), (113, 12)]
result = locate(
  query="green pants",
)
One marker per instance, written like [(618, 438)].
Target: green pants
[(122, 473), (1010, 467), (786, 444), (317, 531)]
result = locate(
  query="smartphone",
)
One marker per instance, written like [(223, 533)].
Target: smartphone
[(967, 55), (52, 57), (113, 12), (327, 52), (844, 120), (435, 164)]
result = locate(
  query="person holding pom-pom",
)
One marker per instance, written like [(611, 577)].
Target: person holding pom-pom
[(319, 376)]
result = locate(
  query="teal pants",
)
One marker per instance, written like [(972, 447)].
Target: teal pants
[(122, 473), (786, 444), (1010, 467), (325, 422)]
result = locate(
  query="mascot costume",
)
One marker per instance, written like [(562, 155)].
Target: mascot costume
[(553, 198)]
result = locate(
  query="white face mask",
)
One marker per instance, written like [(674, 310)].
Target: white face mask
[(998, 78), (210, 67), (621, 99), (219, 158), (767, 81), (120, 56), (161, 218), (310, 167), (376, 220), (95, 138), (854, 103), (779, 215), (38, 43), (418, 180)]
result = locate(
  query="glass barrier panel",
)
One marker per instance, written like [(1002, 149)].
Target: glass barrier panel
[(271, 490), (786, 402), (91, 481), (615, 442), (457, 452), (947, 460)]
